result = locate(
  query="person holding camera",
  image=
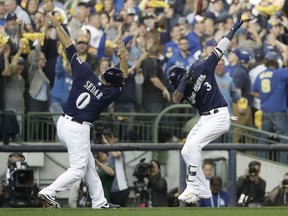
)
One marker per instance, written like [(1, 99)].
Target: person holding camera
[(251, 187), (279, 195), (19, 190), (157, 186)]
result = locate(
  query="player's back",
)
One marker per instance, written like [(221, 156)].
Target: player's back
[(88, 96), (204, 93)]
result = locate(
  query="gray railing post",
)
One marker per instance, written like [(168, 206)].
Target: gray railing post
[(232, 177)]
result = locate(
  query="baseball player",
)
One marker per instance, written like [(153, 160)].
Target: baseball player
[(199, 87), (89, 96)]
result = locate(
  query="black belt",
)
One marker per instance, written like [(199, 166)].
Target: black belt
[(72, 119), (210, 112)]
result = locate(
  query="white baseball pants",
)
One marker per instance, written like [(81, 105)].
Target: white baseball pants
[(207, 129), (76, 138)]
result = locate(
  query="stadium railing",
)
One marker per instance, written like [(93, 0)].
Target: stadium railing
[(231, 148), (149, 126)]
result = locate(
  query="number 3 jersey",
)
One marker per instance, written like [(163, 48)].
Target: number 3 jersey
[(88, 96), (204, 93)]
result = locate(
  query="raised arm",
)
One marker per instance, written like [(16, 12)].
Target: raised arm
[(123, 57), (219, 50), (6, 54), (63, 37), (179, 92), (13, 65), (223, 45)]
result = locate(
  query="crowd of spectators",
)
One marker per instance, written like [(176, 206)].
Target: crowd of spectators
[(36, 76)]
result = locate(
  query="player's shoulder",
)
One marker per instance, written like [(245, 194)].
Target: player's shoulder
[(71, 52)]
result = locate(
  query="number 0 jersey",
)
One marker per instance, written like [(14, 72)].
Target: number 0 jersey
[(88, 96)]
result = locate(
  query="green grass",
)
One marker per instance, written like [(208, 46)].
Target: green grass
[(188, 211)]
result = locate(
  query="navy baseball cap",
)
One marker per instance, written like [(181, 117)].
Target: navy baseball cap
[(118, 18), (114, 77), (21, 60), (271, 56), (210, 15), (11, 16), (243, 56), (175, 75)]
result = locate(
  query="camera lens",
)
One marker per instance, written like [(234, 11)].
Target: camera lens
[(285, 183)]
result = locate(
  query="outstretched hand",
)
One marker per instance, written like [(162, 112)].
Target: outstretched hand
[(55, 22), (238, 22), (122, 54), (121, 50)]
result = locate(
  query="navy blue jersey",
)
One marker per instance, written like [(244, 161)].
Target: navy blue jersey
[(88, 96), (204, 93)]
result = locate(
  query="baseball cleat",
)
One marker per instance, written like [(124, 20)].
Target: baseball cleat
[(110, 206), (48, 201), (189, 196)]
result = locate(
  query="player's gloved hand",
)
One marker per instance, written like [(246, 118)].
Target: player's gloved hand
[(235, 27), (186, 79), (188, 76), (238, 23)]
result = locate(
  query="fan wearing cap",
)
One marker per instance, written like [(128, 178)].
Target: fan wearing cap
[(11, 7), (150, 20), (172, 47), (272, 42), (11, 29), (183, 58), (131, 15), (89, 96), (240, 76), (82, 46), (194, 36), (269, 86), (13, 94)]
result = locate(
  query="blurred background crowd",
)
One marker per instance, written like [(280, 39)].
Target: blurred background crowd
[(36, 76)]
